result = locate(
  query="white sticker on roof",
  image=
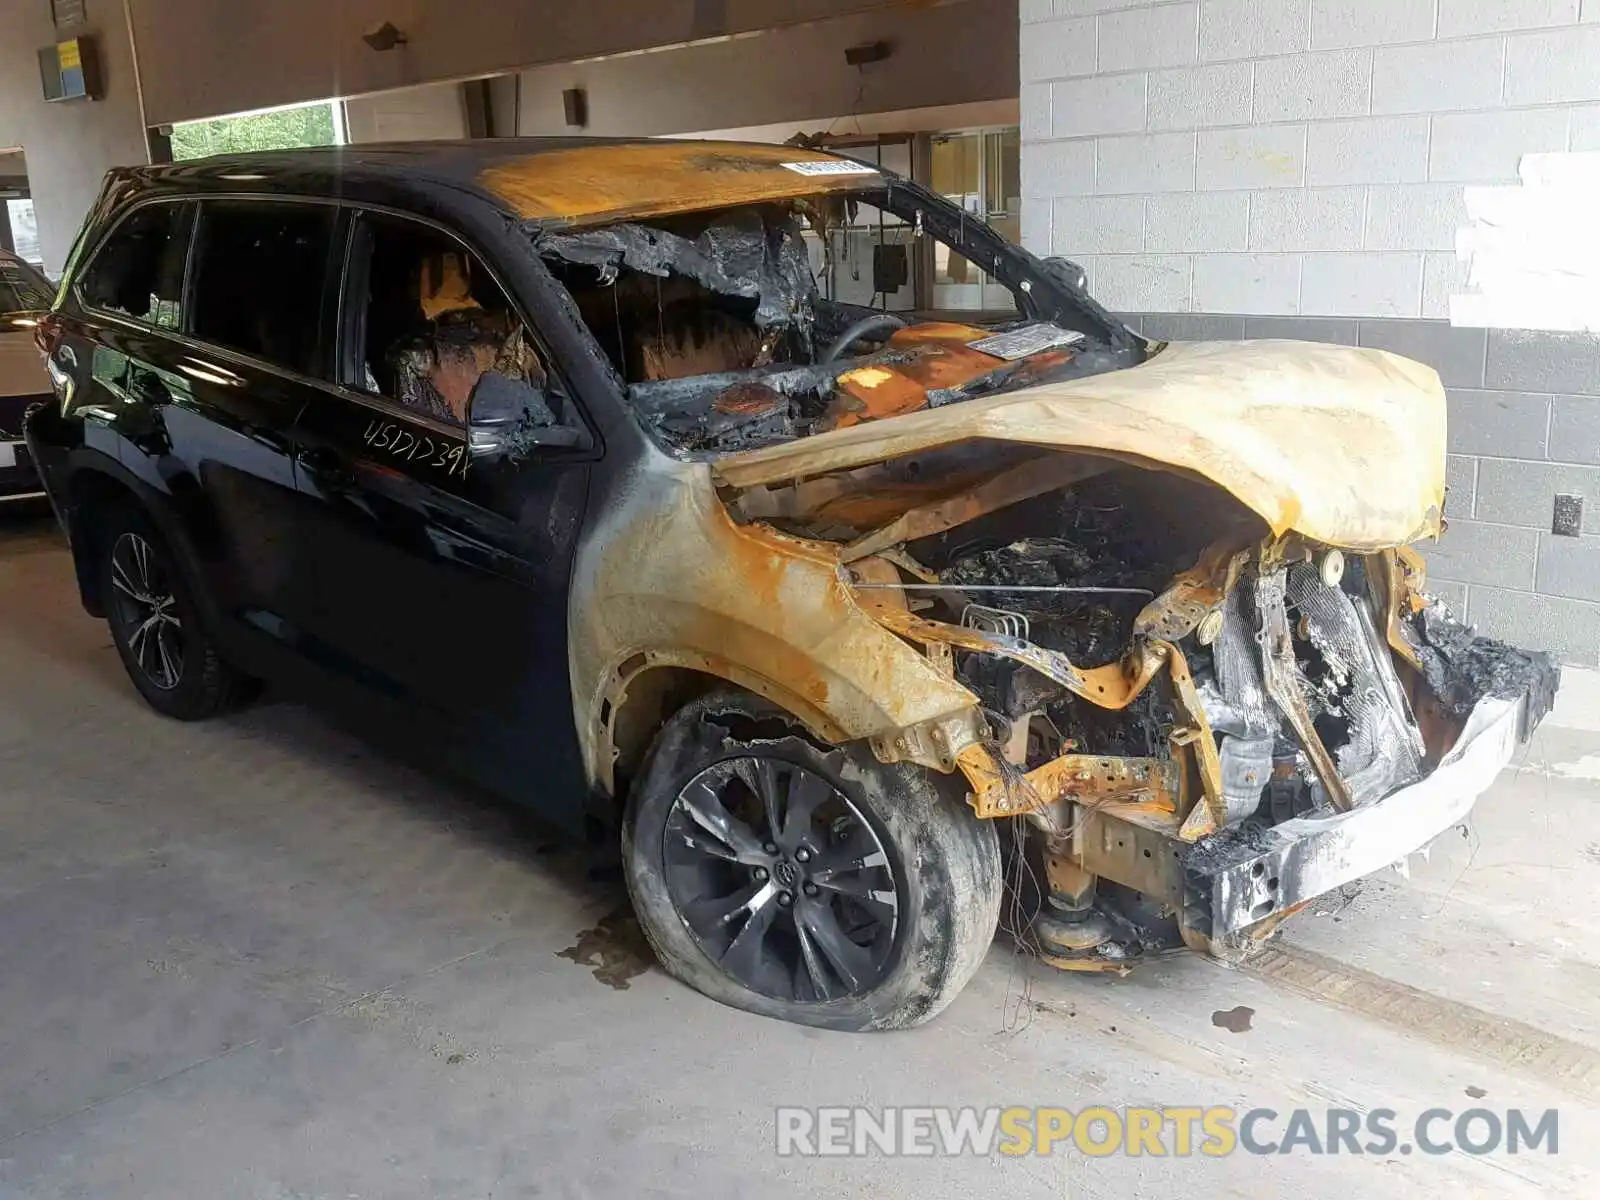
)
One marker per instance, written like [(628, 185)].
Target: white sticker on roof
[(831, 166)]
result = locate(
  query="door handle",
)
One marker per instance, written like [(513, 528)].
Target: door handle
[(328, 466)]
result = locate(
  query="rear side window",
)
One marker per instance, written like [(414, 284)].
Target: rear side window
[(258, 278), (138, 273)]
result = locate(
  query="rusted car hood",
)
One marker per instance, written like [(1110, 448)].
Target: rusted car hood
[(1343, 445)]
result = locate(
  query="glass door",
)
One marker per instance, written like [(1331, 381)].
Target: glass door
[(979, 172)]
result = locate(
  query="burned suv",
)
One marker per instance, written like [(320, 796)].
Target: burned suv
[(648, 480)]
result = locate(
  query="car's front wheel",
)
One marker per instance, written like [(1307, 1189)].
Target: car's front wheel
[(156, 625), (806, 882)]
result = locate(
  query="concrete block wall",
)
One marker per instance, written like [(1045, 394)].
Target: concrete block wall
[(1289, 156), (1295, 168)]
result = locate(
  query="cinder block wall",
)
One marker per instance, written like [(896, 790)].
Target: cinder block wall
[(1295, 168)]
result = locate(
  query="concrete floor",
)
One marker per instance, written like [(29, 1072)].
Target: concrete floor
[(254, 958)]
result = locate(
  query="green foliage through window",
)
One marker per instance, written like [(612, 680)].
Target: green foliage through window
[(308, 125)]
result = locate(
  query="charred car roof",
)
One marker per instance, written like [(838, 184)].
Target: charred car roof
[(550, 181)]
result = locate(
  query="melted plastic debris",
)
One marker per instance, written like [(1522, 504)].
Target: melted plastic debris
[(1228, 847), (1461, 667), (738, 255), (734, 409)]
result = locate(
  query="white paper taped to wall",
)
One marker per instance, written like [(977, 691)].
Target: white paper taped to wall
[(1533, 252)]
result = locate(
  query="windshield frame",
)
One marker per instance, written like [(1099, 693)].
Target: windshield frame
[(1014, 267), (1042, 293)]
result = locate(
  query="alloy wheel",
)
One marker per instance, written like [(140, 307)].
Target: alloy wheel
[(145, 608), (782, 880)]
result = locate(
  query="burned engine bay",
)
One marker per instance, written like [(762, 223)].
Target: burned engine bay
[(718, 330), (1156, 672)]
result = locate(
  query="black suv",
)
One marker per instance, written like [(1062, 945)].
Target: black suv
[(683, 491)]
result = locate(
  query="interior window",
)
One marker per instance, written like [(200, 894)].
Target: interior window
[(139, 271), (259, 276), (435, 322)]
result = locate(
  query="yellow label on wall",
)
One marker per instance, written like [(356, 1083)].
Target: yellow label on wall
[(67, 53)]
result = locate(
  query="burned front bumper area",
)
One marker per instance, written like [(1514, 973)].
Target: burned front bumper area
[(1238, 878), (1428, 718), (1318, 720)]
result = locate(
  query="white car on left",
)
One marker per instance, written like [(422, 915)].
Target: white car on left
[(25, 296)]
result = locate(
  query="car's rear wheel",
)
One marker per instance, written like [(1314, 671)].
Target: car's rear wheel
[(156, 626), (805, 882)]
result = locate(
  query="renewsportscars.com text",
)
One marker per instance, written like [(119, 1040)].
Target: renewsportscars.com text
[(1172, 1130)]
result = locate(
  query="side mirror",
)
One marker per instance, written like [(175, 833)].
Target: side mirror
[(509, 417), (1068, 272)]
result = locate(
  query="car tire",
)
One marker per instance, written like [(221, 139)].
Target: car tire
[(886, 855), (156, 625)]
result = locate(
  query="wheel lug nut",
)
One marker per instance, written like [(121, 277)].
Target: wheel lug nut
[(811, 889), (761, 874), (770, 848), (802, 855), (785, 899)]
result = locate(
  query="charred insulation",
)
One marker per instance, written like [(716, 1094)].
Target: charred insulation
[(1461, 667)]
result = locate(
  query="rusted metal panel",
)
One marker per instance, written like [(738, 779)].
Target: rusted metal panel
[(856, 500), (1135, 853), (1092, 779), (1069, 883), (1195, 736), (938, 743), (1341, 444), (1002, 790), (1402, 580), (1114, 686), (1201, 589), (671, 577)]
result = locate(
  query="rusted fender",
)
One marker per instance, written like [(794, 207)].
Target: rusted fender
[(669, 576)]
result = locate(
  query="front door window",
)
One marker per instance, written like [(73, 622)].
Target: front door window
[(435, 322)]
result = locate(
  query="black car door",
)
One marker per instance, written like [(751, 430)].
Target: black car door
[(441, 576), (259, 277), (199, 419)]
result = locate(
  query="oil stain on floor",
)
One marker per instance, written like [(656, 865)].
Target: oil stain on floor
[(1234, 1020), (615, 948)]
